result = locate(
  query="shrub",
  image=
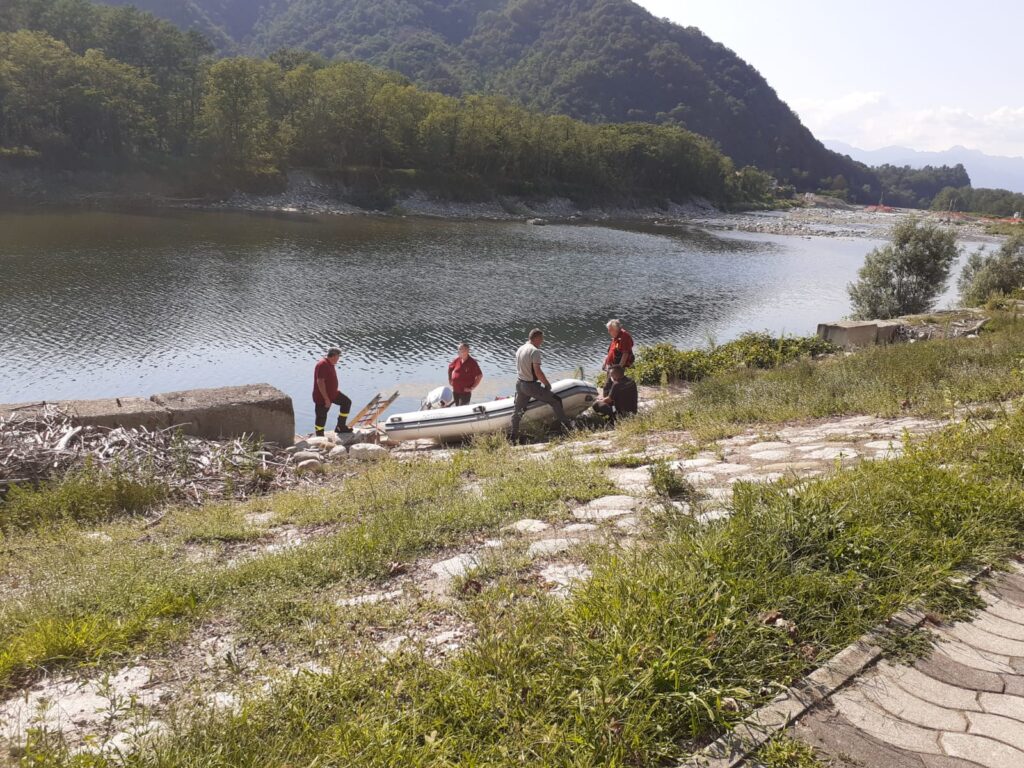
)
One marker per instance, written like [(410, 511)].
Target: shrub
[(663, 362), (996, 274), (906, 276), (87, 495)]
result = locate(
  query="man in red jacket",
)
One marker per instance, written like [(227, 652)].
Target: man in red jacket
[(464, 375), (325, 392), (620, 351)]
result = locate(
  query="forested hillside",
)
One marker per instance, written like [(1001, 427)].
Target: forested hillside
[(594, 60), (94, 87)]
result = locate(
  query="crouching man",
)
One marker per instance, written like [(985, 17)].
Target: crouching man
[(622, 398)]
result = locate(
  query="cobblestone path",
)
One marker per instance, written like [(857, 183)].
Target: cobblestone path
[(962, 705)]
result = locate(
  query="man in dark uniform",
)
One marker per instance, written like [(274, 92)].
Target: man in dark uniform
[(622, 397), (325, 393)]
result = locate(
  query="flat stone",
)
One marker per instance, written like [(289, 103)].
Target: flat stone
[(836, 736), (606, 508), (728, 468), (770, 445), (972, 657), (944, 669), (770, 455), (712, 515), (1004, 729), (699, 478), (751, 477), (546, 547), (833, 452), (309, 465), (302, 456), (565, 575), (580, 528), (527, 525), (695, 463), (370, 599), (1002, 704), (976, 637), (631, 480), (883, 445), (627, 524), (908, 707), (792, 467), (319, 442), (995, 625), (930, 689), (454, 567), (980, 750), (878, 723)]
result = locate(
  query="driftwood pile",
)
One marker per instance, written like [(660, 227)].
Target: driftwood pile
[(43, 445)]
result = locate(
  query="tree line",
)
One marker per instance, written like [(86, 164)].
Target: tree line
[(83, 86)]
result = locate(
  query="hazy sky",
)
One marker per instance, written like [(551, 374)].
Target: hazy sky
[(927, 75)]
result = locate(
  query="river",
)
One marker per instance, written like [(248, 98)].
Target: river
[(97, 304)]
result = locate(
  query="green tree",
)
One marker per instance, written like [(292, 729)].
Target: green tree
[(1000, 273), (236, 121), (907, 275)]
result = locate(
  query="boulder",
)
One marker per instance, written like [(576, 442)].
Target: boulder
[(367, 452), (338, 453), (302, 456), (309, 465)]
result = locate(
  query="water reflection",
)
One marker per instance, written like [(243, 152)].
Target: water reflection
[(98, 304)]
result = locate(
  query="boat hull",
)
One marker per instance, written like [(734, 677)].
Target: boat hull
[(462, 422)]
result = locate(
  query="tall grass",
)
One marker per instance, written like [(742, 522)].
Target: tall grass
[(926, 379), (86, 495), (663, 647)]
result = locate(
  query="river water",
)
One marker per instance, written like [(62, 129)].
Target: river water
[(108, 304)]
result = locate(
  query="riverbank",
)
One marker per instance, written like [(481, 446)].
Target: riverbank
[(307, 194), (612, 597)]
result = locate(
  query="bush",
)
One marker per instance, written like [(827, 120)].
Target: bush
[(997, 274), (87, 495), (906, 276), (664, 363)]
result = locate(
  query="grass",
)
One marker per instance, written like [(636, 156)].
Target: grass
[(139, 590), (666, 645), (783, 751), (925, 379), (86, 495)]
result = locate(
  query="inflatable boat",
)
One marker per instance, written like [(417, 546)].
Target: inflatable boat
[(464, 421)]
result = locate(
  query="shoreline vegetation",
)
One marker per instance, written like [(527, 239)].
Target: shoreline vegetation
[(674, 634)]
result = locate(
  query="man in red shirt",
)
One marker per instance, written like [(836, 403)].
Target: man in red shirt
[(620, 351), (325, 392), (464, 375)]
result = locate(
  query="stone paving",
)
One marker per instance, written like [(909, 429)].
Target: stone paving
[(962, 705)]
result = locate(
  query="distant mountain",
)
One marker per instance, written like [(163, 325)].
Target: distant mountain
[(986, 171), (596, 60)]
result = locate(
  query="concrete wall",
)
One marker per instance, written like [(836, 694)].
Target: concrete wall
[(221, 413), (850, 333)]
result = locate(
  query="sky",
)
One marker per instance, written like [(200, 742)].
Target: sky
[(913, 73)]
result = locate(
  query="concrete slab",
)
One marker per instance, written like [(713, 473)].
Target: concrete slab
[(228, 412)]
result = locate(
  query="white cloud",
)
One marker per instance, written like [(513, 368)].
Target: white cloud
[(870, 120)]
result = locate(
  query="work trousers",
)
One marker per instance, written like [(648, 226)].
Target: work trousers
[(532, 390), (606, 410), (343, 402), (462, 398)]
